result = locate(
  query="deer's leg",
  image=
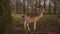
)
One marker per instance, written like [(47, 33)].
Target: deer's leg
[(25, 25), (28, 27), (34, 25)]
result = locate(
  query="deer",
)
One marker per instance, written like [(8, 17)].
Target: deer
[(33, 19)]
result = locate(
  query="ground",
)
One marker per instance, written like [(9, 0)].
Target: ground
[(48, 24)]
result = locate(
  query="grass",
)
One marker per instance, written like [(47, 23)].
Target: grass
[(18, 17), (47, 17)]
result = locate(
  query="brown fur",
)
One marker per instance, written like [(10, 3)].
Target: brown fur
[(33, 19)]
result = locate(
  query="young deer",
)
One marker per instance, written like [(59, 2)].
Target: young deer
[(29, 19)]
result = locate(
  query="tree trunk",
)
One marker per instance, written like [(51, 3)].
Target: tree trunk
[(5, 17)]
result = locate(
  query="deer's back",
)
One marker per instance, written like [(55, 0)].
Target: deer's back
[(30, 19)]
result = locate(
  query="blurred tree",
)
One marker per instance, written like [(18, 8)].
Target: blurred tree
[(55, 6), (5, 17), (59, 7)]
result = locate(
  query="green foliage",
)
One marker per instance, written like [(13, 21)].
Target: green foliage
[(17, 17)]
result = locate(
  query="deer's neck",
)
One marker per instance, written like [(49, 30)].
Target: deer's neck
[(41, 15)]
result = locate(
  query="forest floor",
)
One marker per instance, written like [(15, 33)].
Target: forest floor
[(48, 24)]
